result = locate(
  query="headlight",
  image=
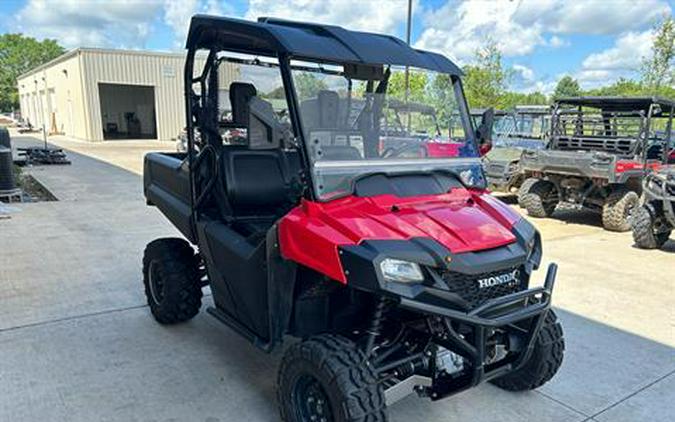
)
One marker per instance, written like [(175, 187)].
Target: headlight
[(401, 271)]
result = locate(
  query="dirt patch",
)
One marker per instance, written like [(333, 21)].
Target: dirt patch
[(33, 190)]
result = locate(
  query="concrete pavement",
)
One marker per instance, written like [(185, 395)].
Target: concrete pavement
[(78, 344)]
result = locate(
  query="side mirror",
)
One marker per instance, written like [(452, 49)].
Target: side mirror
[(484, 131)]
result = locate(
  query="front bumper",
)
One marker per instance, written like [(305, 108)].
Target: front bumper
[(501, 183), (529, 305), (658, 187)]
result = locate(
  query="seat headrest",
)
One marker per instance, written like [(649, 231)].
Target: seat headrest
[(240, 94), (329, 104)]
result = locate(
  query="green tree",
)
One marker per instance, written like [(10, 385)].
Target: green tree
[(486, 79), (442, 96), (512, 99), (417, 83), (308, 85), (659, 69), (622, 87), (567, 87), (18, 55)]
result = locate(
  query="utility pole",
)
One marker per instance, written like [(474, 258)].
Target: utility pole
[(407, 71)]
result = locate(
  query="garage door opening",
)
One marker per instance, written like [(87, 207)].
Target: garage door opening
[(128, 111)]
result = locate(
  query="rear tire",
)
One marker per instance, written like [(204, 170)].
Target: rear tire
[(328, 378), (644, 230), (544, 362), (539, 198), (617, 209), (172, 281)]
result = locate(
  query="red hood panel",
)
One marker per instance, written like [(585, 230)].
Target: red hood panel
[(462, 221), (457, 220)]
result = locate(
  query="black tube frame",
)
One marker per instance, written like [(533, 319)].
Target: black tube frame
[(481, 322)]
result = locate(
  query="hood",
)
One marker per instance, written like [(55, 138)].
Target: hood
[(504, 155), (462, 220)]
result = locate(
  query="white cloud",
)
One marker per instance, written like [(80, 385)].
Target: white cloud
[(557, 42), (524, 72), (622, 59), (177, 14), (626, 54), (590, 16), (526, 80), (458, 29), (367, 15), (111, 23), (74, 23)]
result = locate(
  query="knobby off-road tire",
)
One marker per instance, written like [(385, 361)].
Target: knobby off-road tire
[(327, 378), (617, 209), (524, 188), (172, 281), (544, 362), (539, 198), (644, 232)]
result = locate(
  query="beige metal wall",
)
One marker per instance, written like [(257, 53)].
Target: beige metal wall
[(74, 78), (53, 95)]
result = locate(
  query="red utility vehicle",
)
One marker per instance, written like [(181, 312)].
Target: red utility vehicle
[(396, 273)]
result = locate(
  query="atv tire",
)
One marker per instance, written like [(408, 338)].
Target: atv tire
[(544, 362), (327, 378), (172, 281), (645, 234), (617, 209), (539, 198), (524, 188)]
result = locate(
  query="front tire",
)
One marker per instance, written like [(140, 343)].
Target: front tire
[(172, 281), (618, 208), (544, 362), (645, 233), (539, 198), (327, 378)]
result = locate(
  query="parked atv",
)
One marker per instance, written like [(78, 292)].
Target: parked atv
[(396, 274), (654, 221), (599, 152), (524, 128)]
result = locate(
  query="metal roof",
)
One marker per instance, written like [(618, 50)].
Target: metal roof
[(309, 41), (620, 103), (86, 50)]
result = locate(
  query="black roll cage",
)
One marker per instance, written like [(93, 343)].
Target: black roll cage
[(276, 39), (644, 108)]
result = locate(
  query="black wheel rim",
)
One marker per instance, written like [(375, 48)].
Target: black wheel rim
[(311, 401), (156, 284)]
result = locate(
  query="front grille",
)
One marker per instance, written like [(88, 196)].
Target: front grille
[(468, 288)]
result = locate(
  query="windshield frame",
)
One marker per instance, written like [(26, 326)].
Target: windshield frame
[(414, 165)]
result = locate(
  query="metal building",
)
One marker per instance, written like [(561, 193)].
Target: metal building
[(97, 94)]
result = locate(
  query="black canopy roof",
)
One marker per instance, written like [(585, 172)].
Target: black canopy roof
[(620, 103), (309, 41)]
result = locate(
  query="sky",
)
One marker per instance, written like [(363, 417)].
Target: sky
[(594, 41)]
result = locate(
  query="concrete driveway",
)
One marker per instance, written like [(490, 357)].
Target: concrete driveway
[(77, 342)]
